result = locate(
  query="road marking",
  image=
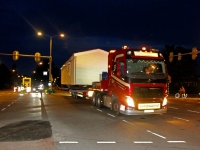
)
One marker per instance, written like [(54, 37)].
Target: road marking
[(68, 142), (193, 111), (3, 109), (181, 119), (176, 141), (99, 110), (128, 122), (9, 105), (139, 142), (106, 142), (111, 115), (173, 107), (156, 134)]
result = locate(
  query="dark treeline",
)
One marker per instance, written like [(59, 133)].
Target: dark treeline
[(5, 77), (182, 72)]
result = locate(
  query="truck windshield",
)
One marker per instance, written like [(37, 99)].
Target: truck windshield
[(145, 66)]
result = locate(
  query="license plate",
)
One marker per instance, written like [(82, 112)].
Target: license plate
[(148, 111), (149, 106)]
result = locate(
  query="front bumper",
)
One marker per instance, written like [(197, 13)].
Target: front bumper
[(143, 112)]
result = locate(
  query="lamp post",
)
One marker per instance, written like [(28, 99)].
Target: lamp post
[(50, 56)]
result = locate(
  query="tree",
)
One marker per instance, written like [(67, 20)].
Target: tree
[(5, 77)]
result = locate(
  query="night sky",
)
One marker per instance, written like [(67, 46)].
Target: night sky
[(91, 24)]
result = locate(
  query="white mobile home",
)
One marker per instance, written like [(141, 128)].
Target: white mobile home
[(84, 67)]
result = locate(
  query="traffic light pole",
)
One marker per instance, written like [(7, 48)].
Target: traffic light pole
[(24, 55), (50, 62), (193, 53)]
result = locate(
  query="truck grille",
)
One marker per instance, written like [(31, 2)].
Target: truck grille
[(141, 92)]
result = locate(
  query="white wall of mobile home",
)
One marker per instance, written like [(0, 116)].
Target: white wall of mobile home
[(84, 67)]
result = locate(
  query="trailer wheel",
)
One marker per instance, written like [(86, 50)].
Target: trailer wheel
[(115, 107), (94, 99), (99, 100)]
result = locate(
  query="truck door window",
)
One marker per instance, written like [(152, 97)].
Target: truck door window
[(120, 69)]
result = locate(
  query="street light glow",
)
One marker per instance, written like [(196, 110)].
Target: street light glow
[(39, 33), (62, 35)]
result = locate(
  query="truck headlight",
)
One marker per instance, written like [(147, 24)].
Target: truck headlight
[(164, 102), (130, 101), (90, 93)]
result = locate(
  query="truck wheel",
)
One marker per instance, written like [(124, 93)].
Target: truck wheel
[(115, 107), (94, 99), (99, 99)]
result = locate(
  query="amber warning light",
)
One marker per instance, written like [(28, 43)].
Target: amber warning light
[(141, 53)]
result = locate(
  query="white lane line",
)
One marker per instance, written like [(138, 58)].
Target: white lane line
[(12, 103), (9, 105), (128, 122), (173, 107), (176, 141), (111, 115), (193, 111), (99, 110), (156, 134), (141, 142), (106, 142), (68, 142), (3, 109), (181, 119)]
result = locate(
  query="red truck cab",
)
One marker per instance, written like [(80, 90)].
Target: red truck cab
[(136, 82)]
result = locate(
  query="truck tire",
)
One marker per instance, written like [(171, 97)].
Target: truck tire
[(94, 99), (115, 107), (99, 100)]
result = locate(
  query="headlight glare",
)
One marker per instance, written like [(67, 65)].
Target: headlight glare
[(130, 101), (164, 102), (90, 93)]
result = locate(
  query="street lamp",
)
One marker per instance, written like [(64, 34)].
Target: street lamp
[(50, 56)]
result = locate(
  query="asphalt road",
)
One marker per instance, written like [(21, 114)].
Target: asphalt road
[(76, 125)]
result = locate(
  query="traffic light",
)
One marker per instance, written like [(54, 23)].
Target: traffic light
[(171, 56), (15, 55), (179, 56), (194, 53), (37, 56)]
